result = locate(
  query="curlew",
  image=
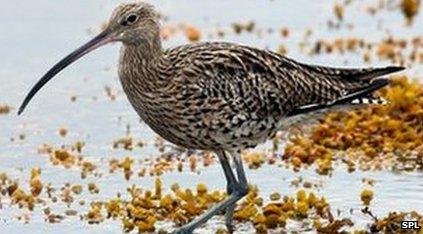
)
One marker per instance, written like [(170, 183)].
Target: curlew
[(218, 96)]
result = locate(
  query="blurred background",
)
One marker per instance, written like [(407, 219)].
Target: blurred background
[(84, 107)]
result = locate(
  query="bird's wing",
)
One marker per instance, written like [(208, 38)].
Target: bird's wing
[(264, 83), (361, 96), (243, 79), (361, 74), (356, 85)]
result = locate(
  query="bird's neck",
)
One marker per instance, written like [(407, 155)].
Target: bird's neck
[(140, 76), (143, 54), (138, 64)]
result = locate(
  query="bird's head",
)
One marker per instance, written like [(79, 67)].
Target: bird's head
[(131, 24)]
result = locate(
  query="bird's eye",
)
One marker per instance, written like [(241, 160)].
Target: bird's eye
[(131, 19)]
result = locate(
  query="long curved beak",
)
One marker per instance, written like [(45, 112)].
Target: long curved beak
[(102, 39)]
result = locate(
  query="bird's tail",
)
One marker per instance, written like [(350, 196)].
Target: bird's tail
[(353, 73), (370, 100), (335, 87)]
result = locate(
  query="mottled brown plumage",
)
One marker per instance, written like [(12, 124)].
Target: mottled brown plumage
[(218, 96)]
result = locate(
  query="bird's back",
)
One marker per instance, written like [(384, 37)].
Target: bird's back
[(230, 96)]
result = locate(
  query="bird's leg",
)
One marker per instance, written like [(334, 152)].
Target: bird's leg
[(242, 179), (230, 187), (190, 227), (229, 216), (238, 191), (241, 187), (229, 175)]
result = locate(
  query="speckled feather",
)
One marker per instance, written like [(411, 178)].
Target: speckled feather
[(225, 96)]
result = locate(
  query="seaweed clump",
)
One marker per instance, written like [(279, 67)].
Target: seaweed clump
[(375, 137)]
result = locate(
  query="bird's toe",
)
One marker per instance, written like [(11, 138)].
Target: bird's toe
[(183, 230), (230, 227)]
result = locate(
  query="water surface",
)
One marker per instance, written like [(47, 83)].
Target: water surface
[(35, 34)]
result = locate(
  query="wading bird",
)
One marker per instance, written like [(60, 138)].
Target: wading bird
[(218, 96)]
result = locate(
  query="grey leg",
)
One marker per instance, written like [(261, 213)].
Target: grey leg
[(242, 179), (238, 191), (241, 188), (229, 217), (231, 186), (189, 228), (230, 177)]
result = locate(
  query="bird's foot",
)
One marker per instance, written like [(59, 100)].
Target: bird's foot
[(230, 227), (229, 218), (183, 230)]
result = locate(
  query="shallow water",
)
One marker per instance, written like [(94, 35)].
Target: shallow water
[(35, 34)]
